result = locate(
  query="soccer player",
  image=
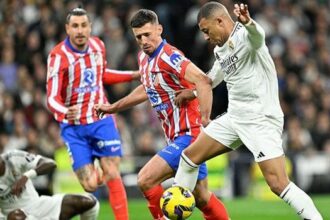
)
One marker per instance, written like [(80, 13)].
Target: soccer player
[(20, 200), (254, 114), (75, 77), (164, 71)]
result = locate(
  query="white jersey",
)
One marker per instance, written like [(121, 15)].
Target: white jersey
[(17, 163), (246, 66)]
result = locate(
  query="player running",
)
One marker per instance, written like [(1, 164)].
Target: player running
[(76, 73), (254, 114), (165, 71)]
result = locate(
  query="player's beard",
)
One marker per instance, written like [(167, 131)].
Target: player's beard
[(80, 42)]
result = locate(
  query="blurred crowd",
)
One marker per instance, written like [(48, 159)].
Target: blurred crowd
[(297, 35)]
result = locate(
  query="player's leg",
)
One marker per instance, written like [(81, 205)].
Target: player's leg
[(207, 202), (16, 214), (149, 179), (117, 193), (86, 206), (212, 141), (107, 146), (278, 181), (80, 152), (262, 136)]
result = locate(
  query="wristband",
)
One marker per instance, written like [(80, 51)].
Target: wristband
[(30, 173), (195, 93)]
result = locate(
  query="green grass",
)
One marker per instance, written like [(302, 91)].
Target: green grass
[(239, 209)]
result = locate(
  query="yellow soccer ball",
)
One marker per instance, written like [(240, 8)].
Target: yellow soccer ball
[(177, 203)]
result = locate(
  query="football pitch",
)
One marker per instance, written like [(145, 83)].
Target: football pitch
[(239, 209)]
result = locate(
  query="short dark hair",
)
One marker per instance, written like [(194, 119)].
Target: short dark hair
[(142, 17), (76, 12), (208, 9)]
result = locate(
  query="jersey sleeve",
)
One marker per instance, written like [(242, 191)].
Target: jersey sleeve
[(116, 76), (216, 74), (55, 73), (22, 160), (255, 34), (173, 61)]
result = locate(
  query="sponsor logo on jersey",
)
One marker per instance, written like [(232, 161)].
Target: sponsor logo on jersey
[(228, 65)]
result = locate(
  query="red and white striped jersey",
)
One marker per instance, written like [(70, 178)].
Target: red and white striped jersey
[(162, 75), (76, 78)]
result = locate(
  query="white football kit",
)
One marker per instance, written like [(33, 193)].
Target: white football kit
[(254, 115), (33, 205)]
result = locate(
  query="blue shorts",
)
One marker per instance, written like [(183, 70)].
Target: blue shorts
[(172, 152), (86, 142)]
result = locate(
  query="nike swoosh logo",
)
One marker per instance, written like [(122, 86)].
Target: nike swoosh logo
[(113, 149)]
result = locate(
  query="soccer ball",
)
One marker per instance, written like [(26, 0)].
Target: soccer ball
[(177, 203)]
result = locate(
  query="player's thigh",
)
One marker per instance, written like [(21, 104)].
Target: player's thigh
[(262, 136), (105, 138), (77, 144), (154, 172), (217, 138)]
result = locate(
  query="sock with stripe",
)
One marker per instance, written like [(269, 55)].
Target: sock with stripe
[(214, 209), (301, 202), (187, 173), (118, 199), (153, 196)]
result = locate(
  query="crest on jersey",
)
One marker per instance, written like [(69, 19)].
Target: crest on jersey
[(231, 44)]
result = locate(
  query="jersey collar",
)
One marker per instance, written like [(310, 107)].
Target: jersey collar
[(156, 52), (68, 44)]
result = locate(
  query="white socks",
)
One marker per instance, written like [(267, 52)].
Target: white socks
[(301, 202), (187, 173), (92, 213)]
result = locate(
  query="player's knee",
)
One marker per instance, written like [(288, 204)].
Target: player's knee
[(90, 186), (144, 181), (16, 214)]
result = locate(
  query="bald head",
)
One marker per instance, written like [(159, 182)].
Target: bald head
[(210, 9)]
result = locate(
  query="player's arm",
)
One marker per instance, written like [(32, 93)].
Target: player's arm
[(137, 96), (54, 85), (204, 90), (256, 34), (118, 76), (186, 95), (32, 166)]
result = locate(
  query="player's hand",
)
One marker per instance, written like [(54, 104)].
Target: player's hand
[(19, 186), (136, 75), (72, 112), (183, 96), (102, 109), (242, 13)]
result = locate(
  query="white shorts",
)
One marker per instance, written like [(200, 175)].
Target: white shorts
[(262, 135), (45, 208)]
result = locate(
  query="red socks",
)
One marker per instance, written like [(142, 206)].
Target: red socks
[(214, 209), (153, 196), (118, 199)]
